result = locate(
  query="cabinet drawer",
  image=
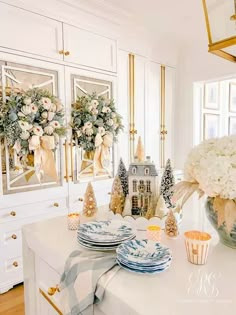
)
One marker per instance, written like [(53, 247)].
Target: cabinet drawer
[(89, 49), (11, 238), (29, 32), (13, 264), (21, 212), (47, 278)]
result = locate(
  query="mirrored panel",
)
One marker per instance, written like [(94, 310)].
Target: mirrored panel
[(18, 175), (85, 168)]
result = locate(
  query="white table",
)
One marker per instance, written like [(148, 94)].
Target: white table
[(183, 289)]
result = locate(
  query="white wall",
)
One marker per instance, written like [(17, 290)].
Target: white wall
[(195, 64)]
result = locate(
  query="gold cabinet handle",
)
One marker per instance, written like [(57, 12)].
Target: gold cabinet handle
[(81, 199), (13, 213), (14, 236), (67, 53), (53, 290), (15, 264), (56, 204), (61, 52)]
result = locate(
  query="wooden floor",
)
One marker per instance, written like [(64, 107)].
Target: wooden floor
[(12, 302)]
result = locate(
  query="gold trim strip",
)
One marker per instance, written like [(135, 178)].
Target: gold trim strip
[(66, 161), (207, 21), (131, 104), (50, 302), (162, 126), (72, 161)]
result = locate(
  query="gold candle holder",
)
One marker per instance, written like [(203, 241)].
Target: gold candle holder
[(73, 221), (197, 246), (154, 233)]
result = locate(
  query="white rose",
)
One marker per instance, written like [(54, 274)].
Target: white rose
[(94, 103), (44, 115), (51, 116), (89, 131), (49, 130), (55, 124), (88, 124), (101, 130), (27, 101), (24, 125), (38, 131), (25, 135), (113, 115), (79, 133), (95, 111), (104, 109), (26, 110), (34, 143), (21, 114), (46, 102), (34, 108), (110, 122), (53, 108)]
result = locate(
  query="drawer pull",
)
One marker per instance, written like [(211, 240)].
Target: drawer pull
[(56, 204), (67, 53), (14, 236), (61, 52), (81, 199), (53, 290), (109, 193), (13, 213), (15, 264)]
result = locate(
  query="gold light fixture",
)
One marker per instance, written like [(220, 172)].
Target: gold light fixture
[(220, 18)]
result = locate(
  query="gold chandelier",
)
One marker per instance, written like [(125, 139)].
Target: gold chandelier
[(220, 18)]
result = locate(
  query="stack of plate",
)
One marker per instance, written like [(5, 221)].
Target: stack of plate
[(104, 235), (143, 256)]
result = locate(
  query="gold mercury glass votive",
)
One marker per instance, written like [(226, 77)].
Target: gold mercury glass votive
[(197, 246), (154, 233), (73, 221)]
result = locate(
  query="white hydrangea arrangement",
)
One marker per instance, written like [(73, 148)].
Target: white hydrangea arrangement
[(27, 117), (94, 118), (212, 164)]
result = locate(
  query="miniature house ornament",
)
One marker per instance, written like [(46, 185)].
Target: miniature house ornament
[(142, 186)]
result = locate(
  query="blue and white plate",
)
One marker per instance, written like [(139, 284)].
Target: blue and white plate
[(148, 271), (97, 248), (133, 265), (106, 231), (143, 252)]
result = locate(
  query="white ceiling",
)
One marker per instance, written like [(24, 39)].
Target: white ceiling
[(182, 19)]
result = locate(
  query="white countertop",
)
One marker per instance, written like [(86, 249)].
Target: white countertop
[(183, 289)]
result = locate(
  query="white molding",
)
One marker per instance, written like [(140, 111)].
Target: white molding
[(6, 286)]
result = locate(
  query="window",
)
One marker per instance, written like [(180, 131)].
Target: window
[(141, 186), (148, 186), (134, 170), (134, 202), (134, 186), (214, 109), (146, 171)]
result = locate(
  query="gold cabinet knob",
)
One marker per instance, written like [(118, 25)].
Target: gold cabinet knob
[(15, 264), (53, 290), (61, 52), (81, 199), (56, 204), (109, 193), (67, 53), (14, 236), (13, 213)]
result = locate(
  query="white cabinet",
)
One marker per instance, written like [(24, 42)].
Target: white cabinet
[(31, 33), (88, 49)]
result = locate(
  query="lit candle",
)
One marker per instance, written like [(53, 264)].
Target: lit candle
[(73, 221), (154, 233), (197, 246)]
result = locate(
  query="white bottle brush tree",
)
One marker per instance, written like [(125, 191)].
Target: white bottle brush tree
[(167, 184), (122, 173)]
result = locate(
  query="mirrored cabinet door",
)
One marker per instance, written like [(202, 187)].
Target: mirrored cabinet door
[(85, 83), (16, 175)]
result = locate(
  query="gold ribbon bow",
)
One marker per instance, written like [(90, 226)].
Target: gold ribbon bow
[(102, 154), (43, 155)]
